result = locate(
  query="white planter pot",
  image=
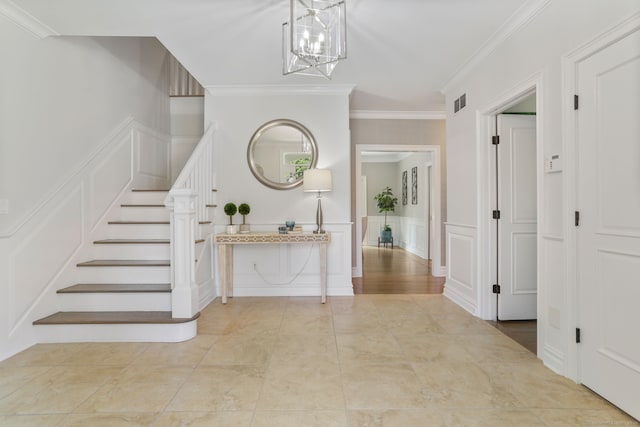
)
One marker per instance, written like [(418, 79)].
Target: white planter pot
[(244, 228), (232, 229)]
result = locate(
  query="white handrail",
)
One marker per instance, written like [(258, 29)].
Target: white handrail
[(187, 200)]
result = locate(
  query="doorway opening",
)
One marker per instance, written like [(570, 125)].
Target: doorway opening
[(413, 174)]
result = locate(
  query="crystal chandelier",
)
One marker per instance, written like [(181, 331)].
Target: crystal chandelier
[(315, 38)]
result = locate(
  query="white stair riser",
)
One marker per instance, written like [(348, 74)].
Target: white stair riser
[(121, 301), (143, 214), (134, 231), (129, 251), (146, 197), (123, 275), (117, 333)]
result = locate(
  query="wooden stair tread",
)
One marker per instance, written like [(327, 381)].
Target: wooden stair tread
[(125, 263), (131, 241), (212, 206), (136, 190), (82, 288), (111, 317), (140, 205)]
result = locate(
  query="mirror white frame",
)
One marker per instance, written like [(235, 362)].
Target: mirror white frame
[(257, 169)]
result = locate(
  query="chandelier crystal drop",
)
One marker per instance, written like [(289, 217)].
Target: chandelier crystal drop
[(314, 39)]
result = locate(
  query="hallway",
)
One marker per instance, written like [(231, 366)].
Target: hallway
[(368, 360)]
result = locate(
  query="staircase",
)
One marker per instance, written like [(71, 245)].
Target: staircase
[(123, 289)]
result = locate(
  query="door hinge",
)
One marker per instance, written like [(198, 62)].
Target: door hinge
[(495, 140), (578, 335), (576, 218), (576, 102), (496, 214), (496, 289)]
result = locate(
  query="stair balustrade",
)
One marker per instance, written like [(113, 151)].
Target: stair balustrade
[(189, 200)]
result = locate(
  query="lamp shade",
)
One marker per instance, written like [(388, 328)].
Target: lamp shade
[(317, 180)]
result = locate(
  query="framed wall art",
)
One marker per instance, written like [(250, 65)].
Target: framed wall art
[(404, 188), (414, 185)]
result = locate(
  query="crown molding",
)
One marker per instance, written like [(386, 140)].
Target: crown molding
[(439, 114), (25, 20), (518, 20), (249, 90)]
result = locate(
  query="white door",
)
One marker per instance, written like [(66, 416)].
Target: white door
[(608, 235), (517, 226)]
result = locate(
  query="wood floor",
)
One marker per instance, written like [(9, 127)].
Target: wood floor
[(396, 271)]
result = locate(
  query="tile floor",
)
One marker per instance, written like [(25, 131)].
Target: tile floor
[(369, 360)]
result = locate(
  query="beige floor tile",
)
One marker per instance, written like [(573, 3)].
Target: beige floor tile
[(303, 385), (496, 348), (13, 378), (299, 419), (204, 419), (45, 355), (241, 349), (412, 325), (220, 388), (307, 323), (150, 374), (358, 323), (395, 418), (462, 385), (46, 398), (465, 324), (105, 354), (378, 348), (108, 420), (433, 348), (187, 353), (31, 420), (382, 386), (536, 386), (353, 306), (585, 417), (255, 324), (491, 418), (304, 349), (130, 397)]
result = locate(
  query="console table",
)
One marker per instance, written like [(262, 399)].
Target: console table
[(226, 241)]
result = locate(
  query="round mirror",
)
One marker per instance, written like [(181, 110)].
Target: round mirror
[(279, 152)]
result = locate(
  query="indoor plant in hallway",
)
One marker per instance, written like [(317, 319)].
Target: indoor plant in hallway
[(386, 203), (230, 209)]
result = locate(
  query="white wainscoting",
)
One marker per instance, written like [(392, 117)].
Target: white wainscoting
[(43, 250), (461, 285), (409, 233), (294, 269)]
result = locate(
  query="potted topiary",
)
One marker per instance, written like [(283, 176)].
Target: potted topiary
[(386, 203), (244, 209), (230, 209)]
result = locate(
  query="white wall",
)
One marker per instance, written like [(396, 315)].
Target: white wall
[(536, 48), (238, 112), (63, 101)]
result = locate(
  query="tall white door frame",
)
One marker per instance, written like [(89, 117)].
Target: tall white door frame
[(435, 237), (485, 124)]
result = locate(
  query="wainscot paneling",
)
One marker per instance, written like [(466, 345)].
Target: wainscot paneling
[(462, 283)]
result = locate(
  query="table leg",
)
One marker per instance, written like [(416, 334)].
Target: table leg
[(323, 272), (222, 261), (229, 268)]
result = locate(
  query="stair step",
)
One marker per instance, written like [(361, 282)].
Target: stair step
[(212, 206), (125, 263), (141, 205), (150, 222), (111, 318), (131, 241), (83, 288), (142, 190)]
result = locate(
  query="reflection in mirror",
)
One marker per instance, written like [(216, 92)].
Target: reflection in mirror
[(279, 152)]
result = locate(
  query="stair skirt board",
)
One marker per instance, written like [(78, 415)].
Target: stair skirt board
[(153, 326)]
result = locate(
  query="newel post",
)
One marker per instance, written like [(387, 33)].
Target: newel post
[(184, 293)]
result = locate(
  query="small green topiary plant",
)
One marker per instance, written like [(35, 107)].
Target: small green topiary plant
[(386, 203), (230, 209), (244, 209)]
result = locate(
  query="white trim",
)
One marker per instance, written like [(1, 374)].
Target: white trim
[(570, 63), (25, 20), (436, 236), (454, 224), (437, 114), (251, 90), (518, 20)]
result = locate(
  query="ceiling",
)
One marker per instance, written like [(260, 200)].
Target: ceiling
[(401, 53)]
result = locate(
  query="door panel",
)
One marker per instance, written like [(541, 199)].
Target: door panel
[(608, 238), (517, 227)]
